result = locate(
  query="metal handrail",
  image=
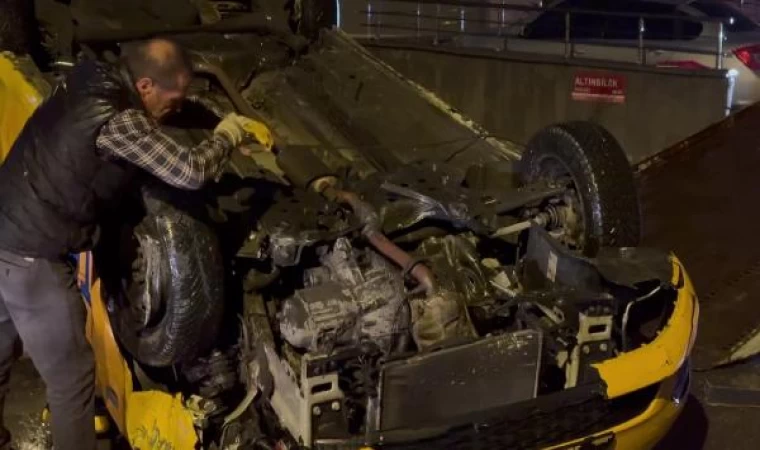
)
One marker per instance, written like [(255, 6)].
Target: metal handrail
[(511, 7), (608, 44), (569, 43)]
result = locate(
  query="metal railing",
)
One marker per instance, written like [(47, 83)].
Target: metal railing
[(413, 18)]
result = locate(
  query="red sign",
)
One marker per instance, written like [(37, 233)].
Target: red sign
[(599, 87)]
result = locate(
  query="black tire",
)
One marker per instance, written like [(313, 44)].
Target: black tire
[(601, 175), (17, 25), (309, 17), (177, 277)]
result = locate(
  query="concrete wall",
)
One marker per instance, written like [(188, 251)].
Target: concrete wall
[(513, 96)]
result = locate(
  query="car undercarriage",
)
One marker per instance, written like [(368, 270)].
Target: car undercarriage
[(392, 276)]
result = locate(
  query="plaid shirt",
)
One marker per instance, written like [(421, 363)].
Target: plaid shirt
[(132, 136)]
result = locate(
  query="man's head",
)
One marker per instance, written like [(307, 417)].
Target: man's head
[(161, 72)]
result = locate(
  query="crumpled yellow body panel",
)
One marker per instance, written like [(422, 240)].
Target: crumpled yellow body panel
[(22, 89), (151, 420), (158, 421), (662, 357), (112, 374)]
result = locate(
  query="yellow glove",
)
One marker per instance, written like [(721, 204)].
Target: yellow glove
[(232, 128), (259, 131), (235, 127)]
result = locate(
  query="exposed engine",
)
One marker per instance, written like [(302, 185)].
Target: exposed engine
[(374, 317), (355, 295), (364, 306)]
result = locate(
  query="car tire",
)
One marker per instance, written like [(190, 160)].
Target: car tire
[(601, 176), (309, 17), (16, 26), (166, 297)]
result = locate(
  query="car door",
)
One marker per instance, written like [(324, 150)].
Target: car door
[(546, 33), (612, 33), (667, 39), (625, 22), (589, 27)]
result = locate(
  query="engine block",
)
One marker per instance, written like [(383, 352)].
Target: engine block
[(354, 295)]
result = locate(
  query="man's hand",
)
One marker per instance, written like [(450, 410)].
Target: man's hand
[(232, 128), (236, 128)]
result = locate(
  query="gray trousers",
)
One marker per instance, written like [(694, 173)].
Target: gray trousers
[(40, 303)]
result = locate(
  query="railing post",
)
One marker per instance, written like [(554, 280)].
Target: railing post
[(502, 17), (642, 52), (568, 44), (378, 13), (503, 33), (437, 23), (369, 19), (719, 54), (419, 19)]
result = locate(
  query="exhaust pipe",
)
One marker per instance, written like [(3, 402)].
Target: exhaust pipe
[(304, 169)]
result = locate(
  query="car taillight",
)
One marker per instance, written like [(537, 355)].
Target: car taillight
[(749, 55)]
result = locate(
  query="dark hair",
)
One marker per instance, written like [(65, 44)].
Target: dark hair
[(162, 67)]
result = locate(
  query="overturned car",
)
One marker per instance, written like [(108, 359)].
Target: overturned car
[(393, 278)]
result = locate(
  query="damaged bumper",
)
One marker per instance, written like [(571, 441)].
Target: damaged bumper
[(646, 429), (663, 363)]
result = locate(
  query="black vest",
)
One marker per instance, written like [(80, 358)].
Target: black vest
[(55, 184)]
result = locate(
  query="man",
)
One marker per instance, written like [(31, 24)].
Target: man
[(73, 159)]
